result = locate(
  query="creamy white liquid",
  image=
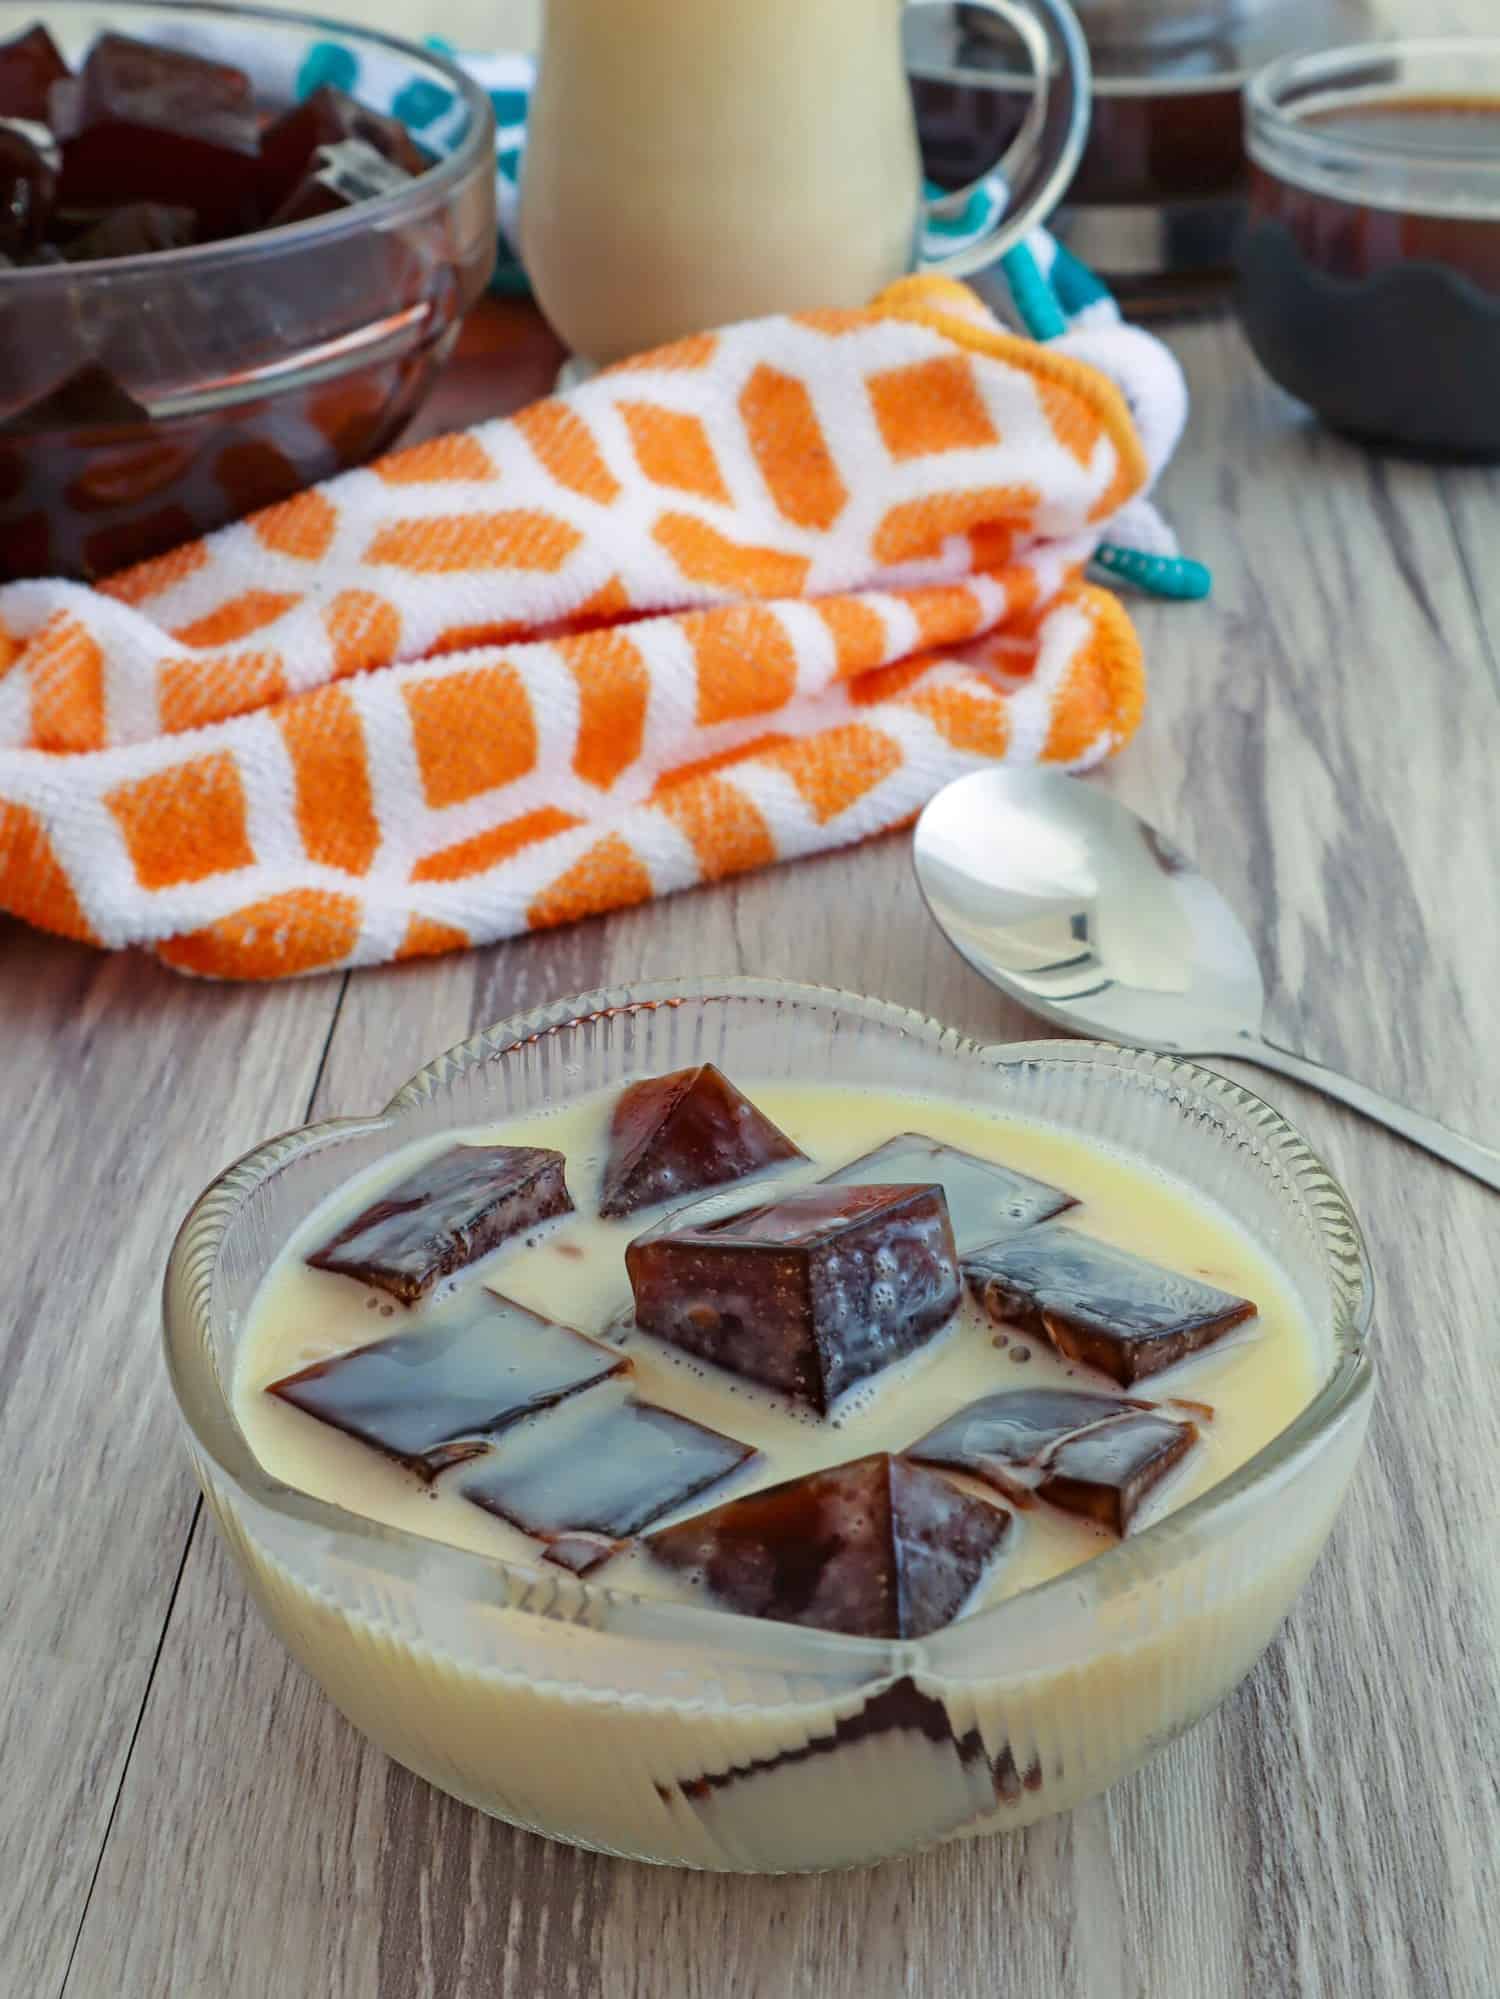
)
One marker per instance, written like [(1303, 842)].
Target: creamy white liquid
[(573, 1271), (690, 163)]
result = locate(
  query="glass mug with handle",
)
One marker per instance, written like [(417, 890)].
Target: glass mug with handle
[(694, 162)]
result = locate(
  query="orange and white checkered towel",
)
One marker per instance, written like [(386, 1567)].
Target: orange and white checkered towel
[(754, 595)]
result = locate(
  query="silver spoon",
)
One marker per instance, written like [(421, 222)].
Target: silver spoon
[(1062, 897)]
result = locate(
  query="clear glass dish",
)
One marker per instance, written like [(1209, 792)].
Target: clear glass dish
[(698, 1738), (260, 364), (1370, 262), (1158, 201)]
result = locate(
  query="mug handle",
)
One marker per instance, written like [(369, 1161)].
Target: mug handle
[(1037, 167)]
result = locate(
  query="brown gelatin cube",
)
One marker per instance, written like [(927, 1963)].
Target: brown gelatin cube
[(140, 229), (1002, 1438), (142, 123), (1104, 1474), (127, 473), (675, 1135), (289, 146), (1098, 1305), (341, 177), (448, 1213), (877, 1548), (29, 66), (89, 399), (606, 1464), (28, 185), (984, 1199), (1091, 1454), (433, 1398), (807, 1295)]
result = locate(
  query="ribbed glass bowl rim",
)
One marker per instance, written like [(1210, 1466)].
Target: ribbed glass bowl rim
[(1276, 122), (475, 150), (206, 1410)]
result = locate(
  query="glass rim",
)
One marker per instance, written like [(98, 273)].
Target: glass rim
[(1327, 75), (206, 1405), (448, 172)]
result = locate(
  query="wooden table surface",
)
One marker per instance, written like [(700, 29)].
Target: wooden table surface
[(184, 1816)]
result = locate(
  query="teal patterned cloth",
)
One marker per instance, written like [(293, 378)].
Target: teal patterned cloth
[(1044, 289)]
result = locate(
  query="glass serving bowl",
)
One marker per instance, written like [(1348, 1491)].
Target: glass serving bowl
[(1158, 201), (258, 365), (690, 1735), (1370, 267)]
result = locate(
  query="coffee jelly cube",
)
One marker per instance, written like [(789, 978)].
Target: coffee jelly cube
[(1003, 1438), (1105, 1473), (142, 123), (1099, 1456), (289, 146), (139, 229), (433, 1398), (984, 1199), (877, 1548), (1098, 1305), (675, 1135), (88, 399), (807, 1295), (28, 185), (446, 1214), (29, 66), (340, 177), (604, 1465)]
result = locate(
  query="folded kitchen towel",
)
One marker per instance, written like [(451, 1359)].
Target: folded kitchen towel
[(748, 597), (1038, 287)]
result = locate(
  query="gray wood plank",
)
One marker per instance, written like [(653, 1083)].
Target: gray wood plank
[(1472, 499), (122, 1090)]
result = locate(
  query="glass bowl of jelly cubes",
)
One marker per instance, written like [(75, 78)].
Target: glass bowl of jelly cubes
[(724, 1734), (224, 275)]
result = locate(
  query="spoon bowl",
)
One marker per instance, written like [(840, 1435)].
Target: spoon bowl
[(1062, 897), (1060, 894)]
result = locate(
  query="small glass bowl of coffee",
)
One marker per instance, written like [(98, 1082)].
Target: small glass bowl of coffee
[(1370, 265)]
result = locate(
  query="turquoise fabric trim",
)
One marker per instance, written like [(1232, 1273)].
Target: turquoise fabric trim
[(956, 226), (1075, 284), (1035, 301), (1045, 306), (1172, 576)]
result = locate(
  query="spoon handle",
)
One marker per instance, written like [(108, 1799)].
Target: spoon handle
[(1481, 1161)]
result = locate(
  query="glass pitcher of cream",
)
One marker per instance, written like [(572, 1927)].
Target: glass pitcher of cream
[(694, 162)]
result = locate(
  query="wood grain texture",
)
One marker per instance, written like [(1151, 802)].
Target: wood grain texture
[(1324, 738), (123, 1089)]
